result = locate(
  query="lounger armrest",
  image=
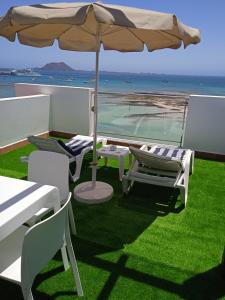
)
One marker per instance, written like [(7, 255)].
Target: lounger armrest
[(144, 148)]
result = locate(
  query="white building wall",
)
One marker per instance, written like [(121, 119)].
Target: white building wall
[(23, 116), (205, 124), (70, 108)]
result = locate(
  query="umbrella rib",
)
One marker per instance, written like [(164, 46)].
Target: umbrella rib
[(168, 34), (85, 29), (129, 29), (119, 29), (159, 31), (113, 31), (71, 26), (63, 32), (26, 27)]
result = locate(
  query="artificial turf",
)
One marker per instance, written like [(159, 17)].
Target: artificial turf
[(143, 246)]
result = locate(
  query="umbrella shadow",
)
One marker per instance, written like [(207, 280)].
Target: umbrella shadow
[(155, 200), (121, 220)]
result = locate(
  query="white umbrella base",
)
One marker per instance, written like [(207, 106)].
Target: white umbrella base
[(92, 193)]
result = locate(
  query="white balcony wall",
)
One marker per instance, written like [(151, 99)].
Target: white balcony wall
[(205, 124), (70, 108), (23, 116)]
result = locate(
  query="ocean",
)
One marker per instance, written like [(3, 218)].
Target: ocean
[(146, 107), (124, 82)]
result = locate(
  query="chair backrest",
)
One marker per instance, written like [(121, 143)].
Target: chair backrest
[(154, 161), (50, 168), (48, 145), (41, 242)]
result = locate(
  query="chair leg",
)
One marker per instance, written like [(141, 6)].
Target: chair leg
[(71, 219), (73, 263), (27, 293), (65, 257)]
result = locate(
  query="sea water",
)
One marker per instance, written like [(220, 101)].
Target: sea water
[(148, 107)]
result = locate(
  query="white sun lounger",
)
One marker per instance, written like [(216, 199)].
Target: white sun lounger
[(75, 149), (163, 166)]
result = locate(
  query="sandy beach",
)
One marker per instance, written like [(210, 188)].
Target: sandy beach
[(165, 103)]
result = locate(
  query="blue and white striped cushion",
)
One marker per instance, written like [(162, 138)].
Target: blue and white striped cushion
[(176, 153), (77, 145)]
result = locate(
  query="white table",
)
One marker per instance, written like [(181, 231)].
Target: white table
[(20, 200), (117, 152)]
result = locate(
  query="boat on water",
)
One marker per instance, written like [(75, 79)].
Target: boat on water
[(25, 72)]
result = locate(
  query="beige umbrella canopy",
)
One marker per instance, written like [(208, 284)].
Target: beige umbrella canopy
[(75, 26), (87, 26)]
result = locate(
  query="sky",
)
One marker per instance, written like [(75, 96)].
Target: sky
[(206, 58)]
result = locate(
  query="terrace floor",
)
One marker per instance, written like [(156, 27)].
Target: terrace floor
[(144, 246)]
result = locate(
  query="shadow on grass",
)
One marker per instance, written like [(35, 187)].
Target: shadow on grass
[(107, 227), (150, 199), (209, 285), (12, 291), (122, 219)]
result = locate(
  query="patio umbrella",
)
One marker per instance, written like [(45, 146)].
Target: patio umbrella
[(87, 26)]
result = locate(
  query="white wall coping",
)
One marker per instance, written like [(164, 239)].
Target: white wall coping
[(57, 86), (22, 97), (207, 96)]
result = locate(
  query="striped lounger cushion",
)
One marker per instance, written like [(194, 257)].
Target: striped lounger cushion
[(75, 146), (176, 153), (160, 158)]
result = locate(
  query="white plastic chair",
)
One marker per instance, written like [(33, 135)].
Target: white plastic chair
[(153, 167), (27, 250), (53, 169)]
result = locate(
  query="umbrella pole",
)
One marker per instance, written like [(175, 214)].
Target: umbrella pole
[(91, 192), (95, 162)]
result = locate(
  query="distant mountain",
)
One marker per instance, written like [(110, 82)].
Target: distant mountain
[(56, 66)]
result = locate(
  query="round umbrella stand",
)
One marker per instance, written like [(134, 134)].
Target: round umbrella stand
[(93, 192)]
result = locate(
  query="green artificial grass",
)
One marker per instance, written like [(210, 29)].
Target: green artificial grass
[(143, 246)]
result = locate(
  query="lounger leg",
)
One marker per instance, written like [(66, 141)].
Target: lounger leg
[(131, 185), (121, 167), (106, 161), (192, 163), (125, 184), (183, 193), (79, 161)]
